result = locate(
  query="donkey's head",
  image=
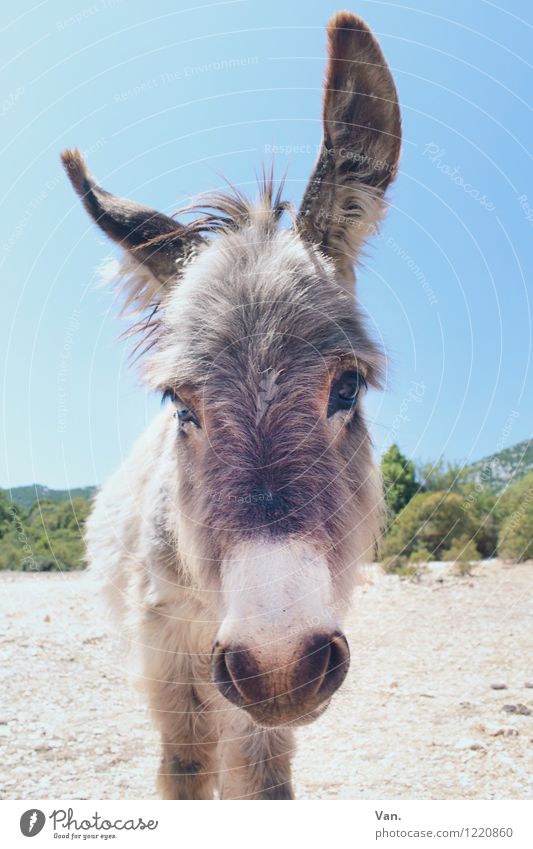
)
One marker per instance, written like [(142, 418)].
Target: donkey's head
[(254, 335)]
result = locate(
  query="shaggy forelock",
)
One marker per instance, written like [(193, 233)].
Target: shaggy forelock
[(261, 288)]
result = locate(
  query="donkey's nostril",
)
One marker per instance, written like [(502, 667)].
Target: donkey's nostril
[(235, 674), (222, 676), (339, 662), (323, 667)]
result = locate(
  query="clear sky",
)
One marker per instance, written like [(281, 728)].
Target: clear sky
[(166, 96)]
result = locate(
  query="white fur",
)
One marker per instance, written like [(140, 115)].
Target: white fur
[(275, 591)]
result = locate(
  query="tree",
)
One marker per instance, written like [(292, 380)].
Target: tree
[(399, 479)]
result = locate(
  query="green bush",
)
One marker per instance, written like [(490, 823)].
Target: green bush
[(394, 564), (49, 538), (50, 516), (482, 504), (11, 555), (431, 521), (514, 496), (462, 549), (6, 508), (403, 567), (422, 555), (463, 568), (515, 541)]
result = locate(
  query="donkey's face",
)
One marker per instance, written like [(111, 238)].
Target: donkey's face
[(267, 362), (256, 339)]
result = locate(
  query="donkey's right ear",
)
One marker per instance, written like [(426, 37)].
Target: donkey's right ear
[(155, 241), (344, 200)]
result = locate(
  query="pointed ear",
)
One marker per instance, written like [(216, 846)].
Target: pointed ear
[(360, 149), (155, 241)]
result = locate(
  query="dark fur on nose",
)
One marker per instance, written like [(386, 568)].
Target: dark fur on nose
[(286, 690)]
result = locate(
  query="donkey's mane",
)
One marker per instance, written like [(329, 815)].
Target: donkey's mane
[(233, 209), (227, 211), (213, 213)]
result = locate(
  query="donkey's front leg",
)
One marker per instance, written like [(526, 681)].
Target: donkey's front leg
[(255, 762), (180, 704), (188, 768)]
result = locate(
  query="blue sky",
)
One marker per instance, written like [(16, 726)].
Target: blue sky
[(164, 97)]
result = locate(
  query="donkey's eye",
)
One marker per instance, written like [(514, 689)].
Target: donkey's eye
[(345, 391), (183, 413)]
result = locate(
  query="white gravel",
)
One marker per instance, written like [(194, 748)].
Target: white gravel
[(418, 717)]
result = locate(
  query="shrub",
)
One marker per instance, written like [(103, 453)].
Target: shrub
[(44, 564), (11, 554), (402, 567), (421, 555), (430, 521), (463, 568), (48, 539), (514, 496), (392, 565), (6, 508), (515, 541), (51, 516), (482, 504), (462, 549)]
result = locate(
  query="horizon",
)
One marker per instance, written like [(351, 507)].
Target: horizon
[(162, 105)]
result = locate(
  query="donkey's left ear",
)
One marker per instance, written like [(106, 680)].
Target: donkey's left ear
[(343, 202), (155, 241)]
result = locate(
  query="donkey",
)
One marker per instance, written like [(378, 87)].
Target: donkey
[(230, 539)]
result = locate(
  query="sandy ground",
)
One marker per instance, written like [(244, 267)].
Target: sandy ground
[(418, 717)]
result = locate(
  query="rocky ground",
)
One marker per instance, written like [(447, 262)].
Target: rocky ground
[(438, 703)]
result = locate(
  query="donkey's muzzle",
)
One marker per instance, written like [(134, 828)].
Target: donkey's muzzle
[(279, 692)]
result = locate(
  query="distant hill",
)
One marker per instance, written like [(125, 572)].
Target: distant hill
[(26, 495), (500, 469)]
